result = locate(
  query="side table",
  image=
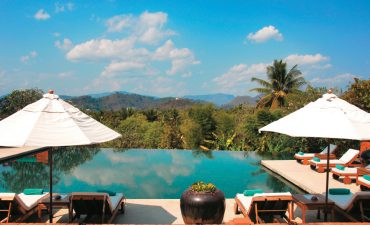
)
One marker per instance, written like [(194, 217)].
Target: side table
[(63, 202), (305, 202)]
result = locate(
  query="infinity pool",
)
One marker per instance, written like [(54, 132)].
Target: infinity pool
[(140, 173)]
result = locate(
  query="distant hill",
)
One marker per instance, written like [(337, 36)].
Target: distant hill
[(117, 101), (239, 100), (217, 99)]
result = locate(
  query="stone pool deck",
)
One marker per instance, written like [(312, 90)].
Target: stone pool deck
[(166, 211), (304, 177), (149, 211)]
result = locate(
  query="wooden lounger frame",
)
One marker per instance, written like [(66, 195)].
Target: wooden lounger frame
[(265, 199), (92, 207), (361, 172), (347, 177), (15, 207), (305, 160)]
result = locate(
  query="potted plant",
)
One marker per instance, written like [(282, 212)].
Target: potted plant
[(202, 203)]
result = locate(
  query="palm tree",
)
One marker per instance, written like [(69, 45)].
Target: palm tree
[(280, 83)]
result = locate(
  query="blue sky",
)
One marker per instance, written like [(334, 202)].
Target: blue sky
[(175, 48)]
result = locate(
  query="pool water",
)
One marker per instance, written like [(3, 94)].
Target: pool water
[(141, 173)]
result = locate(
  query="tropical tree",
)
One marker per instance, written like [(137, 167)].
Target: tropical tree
[(280, 83)]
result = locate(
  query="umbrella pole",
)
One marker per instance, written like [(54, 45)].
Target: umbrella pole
[(51, 185), (327, 185)]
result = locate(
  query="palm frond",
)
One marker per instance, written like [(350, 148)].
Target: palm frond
[(261, 82)]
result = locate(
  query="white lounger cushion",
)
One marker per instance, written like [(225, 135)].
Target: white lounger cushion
[(8, 195), (332, 161), (115, 200), (308, 155), (346, 158), (247, 200), (345, 201), (363, 180), (347, 170), (29, 201), (349, 155)]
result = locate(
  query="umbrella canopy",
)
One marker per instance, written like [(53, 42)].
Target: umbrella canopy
[(327, 117), (52, 122)]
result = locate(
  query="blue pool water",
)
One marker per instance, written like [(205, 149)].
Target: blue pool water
[(141, 173)]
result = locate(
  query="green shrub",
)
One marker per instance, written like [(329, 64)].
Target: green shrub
[(200, 186)]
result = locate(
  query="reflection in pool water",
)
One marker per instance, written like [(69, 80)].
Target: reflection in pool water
[(141, 173)]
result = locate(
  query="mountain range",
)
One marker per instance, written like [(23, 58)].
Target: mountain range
[(121, 99)]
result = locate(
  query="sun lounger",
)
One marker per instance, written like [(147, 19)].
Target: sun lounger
[(262, 208), (93, 203), (361, 180), (346, 160), (348, 174), (352, 203), (22, 206), (303, 158)]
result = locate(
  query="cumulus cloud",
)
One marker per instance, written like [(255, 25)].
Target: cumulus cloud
[(238, 77), (142, 51), (123, 66), (100, 48), (41, 15), (180, 58), (265, 34), (306, 59), (26, 58), (65, 45), (65, 74), (63, 7), (148, 28), (118, 23), (339, 80)]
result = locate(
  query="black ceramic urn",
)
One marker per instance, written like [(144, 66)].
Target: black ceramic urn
[(202, 207)]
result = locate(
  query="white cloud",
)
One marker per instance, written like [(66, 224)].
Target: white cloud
[(238, 78), (41, 15), (65, 45), (340, 80), (118, 23), (265, 34), (63, 7), (180, 58), (115, 67), (306, 59), (101, 48), (26, 58), (148, 28), (56, 34), (65, 74)]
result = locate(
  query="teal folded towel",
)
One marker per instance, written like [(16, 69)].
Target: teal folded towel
[(300, 153), (110, 193), (316, 159), (33, 191), (366, 177), (339, 191), (252, 192), (340, 167)]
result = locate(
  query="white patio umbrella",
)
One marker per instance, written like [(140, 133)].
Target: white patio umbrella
[(327, 117), (51, 122)]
